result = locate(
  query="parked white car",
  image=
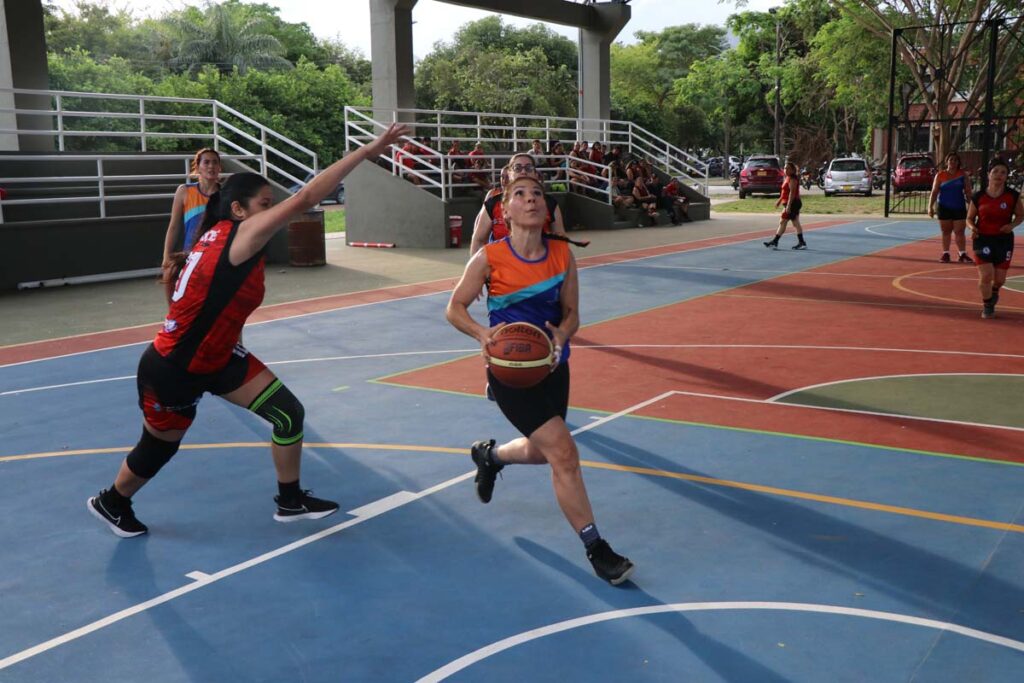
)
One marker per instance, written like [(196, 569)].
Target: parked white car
[(849, 175)]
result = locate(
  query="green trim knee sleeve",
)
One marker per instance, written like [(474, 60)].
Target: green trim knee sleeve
[(278, 406), (150, 454)]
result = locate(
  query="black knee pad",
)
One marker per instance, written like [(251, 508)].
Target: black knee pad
[(150, 454), (278, 406)]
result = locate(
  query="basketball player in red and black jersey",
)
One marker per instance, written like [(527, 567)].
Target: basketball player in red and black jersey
[(993, 214), (490, 226), (219, 285)]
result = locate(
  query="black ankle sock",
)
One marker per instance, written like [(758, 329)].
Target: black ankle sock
[(988, 301), (589, 535), (114, 497), (289, 491)]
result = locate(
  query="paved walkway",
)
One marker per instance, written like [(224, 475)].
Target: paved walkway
[(34, 315)]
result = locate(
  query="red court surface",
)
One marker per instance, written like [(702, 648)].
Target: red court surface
[(890, 313)]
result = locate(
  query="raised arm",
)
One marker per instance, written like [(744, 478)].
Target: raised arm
[(255, 232)]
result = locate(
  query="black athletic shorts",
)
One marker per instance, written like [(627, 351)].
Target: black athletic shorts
[(528, 409), (794, 210), (947, 214), (168, 394), (994, 249)]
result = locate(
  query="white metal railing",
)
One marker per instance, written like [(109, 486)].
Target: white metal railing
[(511, 133), (98, 181), (161, 124)]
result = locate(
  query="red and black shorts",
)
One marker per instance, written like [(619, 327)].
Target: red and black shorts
[(168, 394), (994, 249), (528, 409)]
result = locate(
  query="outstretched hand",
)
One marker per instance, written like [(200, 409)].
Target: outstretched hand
[(390, 136)]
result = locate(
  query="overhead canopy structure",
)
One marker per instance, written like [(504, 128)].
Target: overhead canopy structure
[(599, 24)]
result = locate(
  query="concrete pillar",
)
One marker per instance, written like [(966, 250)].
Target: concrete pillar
[(391, 54), (595, 60), (23, 65)]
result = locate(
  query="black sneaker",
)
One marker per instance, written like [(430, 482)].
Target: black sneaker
[(964, 258), (486, 469), (771, 244), (608, 564), (988, 310), (800, 245), (306, 507), (120, 519), (944, 258)]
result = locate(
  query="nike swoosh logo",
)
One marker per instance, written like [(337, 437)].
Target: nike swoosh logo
[(115, 520)]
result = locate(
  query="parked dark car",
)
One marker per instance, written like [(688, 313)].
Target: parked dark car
[(914, 172), (335, 197), (761, 174)]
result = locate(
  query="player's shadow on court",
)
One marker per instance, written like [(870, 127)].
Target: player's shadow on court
[(937, 585), (729, 663), (131, 570)]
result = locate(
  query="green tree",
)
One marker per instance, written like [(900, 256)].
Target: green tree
[(223, 37), (724, 90)]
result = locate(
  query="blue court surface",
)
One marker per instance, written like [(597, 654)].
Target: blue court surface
[(415, 580)]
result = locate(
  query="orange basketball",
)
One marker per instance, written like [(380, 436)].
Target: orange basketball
[(520, 354)]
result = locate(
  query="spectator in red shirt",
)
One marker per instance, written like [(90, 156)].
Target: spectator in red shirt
[(675, 206), (479, 178)]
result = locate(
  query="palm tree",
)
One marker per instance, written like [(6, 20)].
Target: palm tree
[(226, 42)]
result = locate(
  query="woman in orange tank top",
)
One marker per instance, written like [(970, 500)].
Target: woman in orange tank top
[(790, 197)]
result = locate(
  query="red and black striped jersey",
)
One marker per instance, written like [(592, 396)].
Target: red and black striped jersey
[(211, 301)]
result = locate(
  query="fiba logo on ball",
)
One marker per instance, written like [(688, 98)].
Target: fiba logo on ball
[(520, 355)]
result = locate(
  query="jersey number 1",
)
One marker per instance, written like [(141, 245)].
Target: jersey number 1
[(186, 273)]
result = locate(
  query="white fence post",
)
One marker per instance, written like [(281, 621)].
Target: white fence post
[(348, 147), (142, 122), (216, 127), (263, 151), (515, 133), (102, 189), (60, 123)]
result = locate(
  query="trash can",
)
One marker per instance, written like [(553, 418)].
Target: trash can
[(454, 231), (306, 246)]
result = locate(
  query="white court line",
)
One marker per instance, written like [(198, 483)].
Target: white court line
[(784, 394), (200, 579), (854, 411), (472, 658), (576, 347), (719, 269), (899, 237), (406, 298)]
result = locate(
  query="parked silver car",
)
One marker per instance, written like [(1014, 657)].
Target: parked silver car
[(850, 175)]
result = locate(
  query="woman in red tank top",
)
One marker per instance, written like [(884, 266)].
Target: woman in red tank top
[(218, 287), (790, 197), (993, 214)]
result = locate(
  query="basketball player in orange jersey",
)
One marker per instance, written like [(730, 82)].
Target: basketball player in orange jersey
[(531, 277), (219, 285), (952, 189), (189, 205)]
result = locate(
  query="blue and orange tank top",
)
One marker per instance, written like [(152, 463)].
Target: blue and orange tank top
[(192, 215), (951, 190), (521, 290)]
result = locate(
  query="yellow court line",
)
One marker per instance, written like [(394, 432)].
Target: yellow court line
[(787, 493), (898, 284)]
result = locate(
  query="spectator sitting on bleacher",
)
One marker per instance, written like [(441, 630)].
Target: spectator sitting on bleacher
[(675, 205), (558, 172), (621, 196), (651, 178), (456, 163), (480, 178), (645, 200)]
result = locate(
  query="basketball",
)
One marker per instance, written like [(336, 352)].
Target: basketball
[(520, 355)]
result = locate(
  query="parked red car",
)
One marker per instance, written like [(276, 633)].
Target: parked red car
[(914, 172), (761, 174)]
